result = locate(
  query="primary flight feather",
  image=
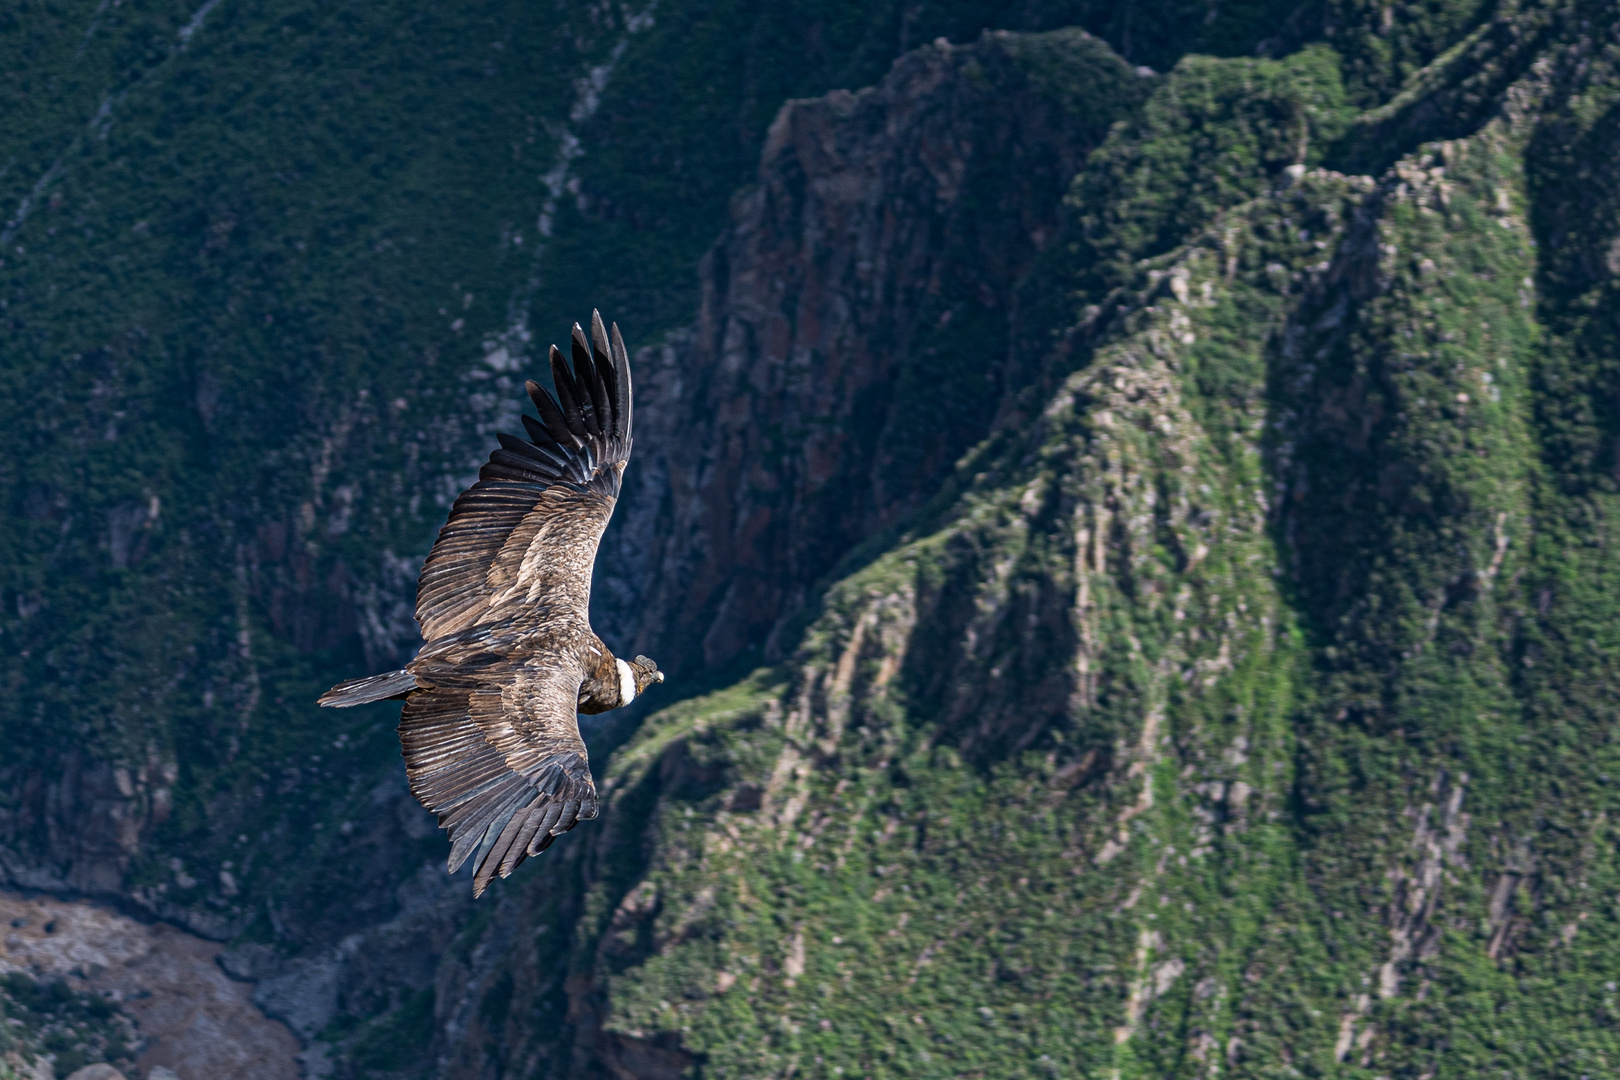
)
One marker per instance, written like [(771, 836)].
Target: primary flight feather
[(489, 730)]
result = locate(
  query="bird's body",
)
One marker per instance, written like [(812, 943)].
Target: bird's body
[(489, 730)]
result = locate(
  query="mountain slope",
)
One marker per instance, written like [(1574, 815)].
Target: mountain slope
[(1241, 709), (1221, 686)]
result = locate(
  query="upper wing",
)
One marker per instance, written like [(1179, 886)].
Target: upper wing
[(528, 529), (492, 745)]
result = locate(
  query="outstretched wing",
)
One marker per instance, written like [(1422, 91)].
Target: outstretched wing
[(492, 745), (528, 530), (491, 735)]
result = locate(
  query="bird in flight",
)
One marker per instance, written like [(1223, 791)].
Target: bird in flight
[(489, 729)]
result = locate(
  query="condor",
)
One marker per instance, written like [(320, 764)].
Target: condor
[(490, 730)]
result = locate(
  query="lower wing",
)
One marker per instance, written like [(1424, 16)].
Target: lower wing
[(492, 746)]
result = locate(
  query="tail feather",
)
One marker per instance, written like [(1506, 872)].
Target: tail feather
[(390, 687)]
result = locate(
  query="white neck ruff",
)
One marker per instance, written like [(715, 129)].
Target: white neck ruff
[(627, 683)]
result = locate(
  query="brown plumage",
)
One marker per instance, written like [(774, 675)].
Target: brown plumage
[(489, 730)]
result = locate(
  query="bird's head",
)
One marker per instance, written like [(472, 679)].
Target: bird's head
[(634, 677), (646, 673)]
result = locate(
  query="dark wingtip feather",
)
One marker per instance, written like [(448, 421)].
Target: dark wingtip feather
[(537, 432), (599, 349), (584, 370), (607, 377), (550, 414), (588, 381), (568, 395), (621, 387)]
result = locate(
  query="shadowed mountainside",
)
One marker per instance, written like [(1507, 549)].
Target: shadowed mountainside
[(854, 324)]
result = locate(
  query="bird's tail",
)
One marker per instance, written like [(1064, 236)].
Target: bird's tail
[(389, 687)]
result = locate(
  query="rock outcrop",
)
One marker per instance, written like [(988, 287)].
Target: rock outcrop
[(854, 336)]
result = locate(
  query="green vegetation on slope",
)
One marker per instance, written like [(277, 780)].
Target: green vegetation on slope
[(933, 850), (267, 275), (75, 1028), (1242, 707), (1246, 712)]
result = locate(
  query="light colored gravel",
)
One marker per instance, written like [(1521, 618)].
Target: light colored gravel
[(193, 1019)]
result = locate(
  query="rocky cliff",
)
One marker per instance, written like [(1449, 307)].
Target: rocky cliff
[(855, 322), (1236, 706), (1133, 498)]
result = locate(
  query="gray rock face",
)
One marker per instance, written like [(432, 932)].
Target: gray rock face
[(88, 819), (853, 336)]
